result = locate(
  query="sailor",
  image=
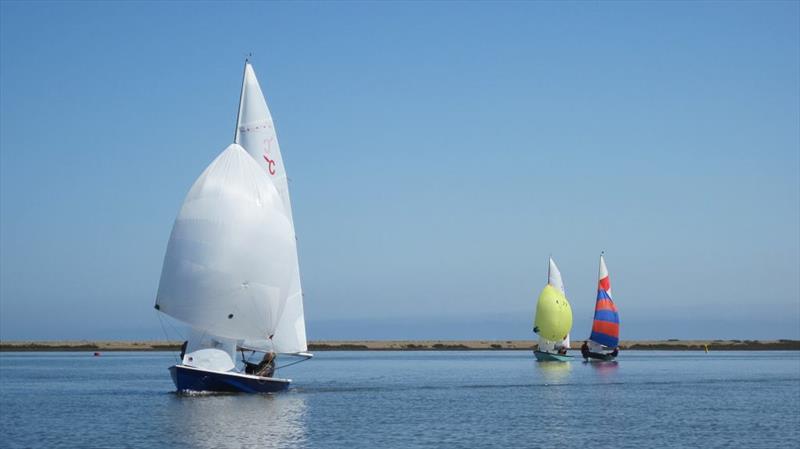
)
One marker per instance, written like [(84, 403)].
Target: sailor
[(585, 350), (183, 349), (615, 352), (265, 368)]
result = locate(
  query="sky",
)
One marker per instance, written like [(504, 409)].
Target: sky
[(438, 153)]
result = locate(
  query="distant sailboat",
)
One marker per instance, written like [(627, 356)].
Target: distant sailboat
[(604, 341), (230, 269), (553, 319)]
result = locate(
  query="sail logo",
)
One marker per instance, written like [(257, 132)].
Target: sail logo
[(270, 162), (270, 165)]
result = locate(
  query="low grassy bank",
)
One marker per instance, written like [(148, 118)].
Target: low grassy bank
[(412, 345)]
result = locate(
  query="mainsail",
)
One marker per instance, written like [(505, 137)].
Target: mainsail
[(255, 131), (605, 328)]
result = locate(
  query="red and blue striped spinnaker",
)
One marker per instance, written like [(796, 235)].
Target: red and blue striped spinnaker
[(605, 328)]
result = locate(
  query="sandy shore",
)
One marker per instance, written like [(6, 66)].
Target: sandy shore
[(411, 345)]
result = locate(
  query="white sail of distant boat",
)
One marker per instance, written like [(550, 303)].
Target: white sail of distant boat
[(255, 131), (230, 269), (554, 279)]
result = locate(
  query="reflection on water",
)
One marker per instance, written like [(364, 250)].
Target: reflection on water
[(604, 370), (265, 421), (554, 372)]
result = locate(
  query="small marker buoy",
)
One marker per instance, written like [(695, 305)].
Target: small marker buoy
[(97, 354)]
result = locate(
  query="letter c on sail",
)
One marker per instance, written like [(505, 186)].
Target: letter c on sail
[(270, 165)]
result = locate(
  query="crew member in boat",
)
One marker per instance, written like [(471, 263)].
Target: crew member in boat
[(585, 350), (183, 349), (265, 368)]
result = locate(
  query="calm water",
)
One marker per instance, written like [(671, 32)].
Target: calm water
[(411, 399)]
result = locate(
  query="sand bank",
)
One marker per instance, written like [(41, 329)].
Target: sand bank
[(411, 345)]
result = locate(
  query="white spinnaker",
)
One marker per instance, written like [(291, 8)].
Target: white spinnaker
[(255, 131), (228, 266), (554, 279)]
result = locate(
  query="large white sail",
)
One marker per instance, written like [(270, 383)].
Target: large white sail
[(230, 260), (255, 131)]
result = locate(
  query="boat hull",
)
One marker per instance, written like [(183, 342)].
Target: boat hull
[(187, 378), (596, 357), (550, 357)]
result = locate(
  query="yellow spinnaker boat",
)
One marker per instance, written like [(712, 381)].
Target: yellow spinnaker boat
[(553, 314), (553, 319)]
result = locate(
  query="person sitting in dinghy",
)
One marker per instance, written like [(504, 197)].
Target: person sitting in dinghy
[(585, 350), (265, 368), (183, 349)]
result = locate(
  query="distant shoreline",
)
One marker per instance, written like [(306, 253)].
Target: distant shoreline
[(411, 345)]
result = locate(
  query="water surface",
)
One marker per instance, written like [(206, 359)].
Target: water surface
[(401, 399)]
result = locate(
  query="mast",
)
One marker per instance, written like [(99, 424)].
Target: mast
[(241, 96)]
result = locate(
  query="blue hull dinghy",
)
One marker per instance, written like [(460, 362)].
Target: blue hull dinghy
[(188, 378)]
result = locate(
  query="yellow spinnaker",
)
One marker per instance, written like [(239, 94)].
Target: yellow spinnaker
[(553, 314)]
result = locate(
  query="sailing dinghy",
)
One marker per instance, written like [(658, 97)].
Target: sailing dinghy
[(604, 341), (553, 319), (230, 269)]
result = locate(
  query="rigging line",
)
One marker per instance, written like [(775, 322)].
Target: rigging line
[(293, 363), (163, 329), (177, 331)]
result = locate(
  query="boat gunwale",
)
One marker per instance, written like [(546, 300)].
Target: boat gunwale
[(232, 373)]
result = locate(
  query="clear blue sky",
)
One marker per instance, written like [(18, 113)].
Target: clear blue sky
[(438, 152)]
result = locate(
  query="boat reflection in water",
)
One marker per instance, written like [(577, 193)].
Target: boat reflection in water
[(604, 370), (553, 397), (554, 372), (225, 420)]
